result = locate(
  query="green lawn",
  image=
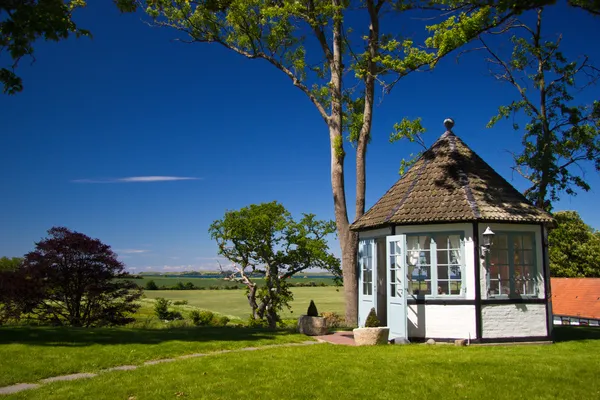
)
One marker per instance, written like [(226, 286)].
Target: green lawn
[(567, 370), (28, 354), (234, 303)]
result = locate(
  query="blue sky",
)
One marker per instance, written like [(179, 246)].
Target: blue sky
[(98, 114)]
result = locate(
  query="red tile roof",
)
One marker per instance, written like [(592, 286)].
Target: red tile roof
[(576, 297)]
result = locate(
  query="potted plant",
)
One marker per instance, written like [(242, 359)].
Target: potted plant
[(372, 333), (312, 324)]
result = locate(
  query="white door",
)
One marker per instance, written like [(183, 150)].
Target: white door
[(367, 279), (397, 286)]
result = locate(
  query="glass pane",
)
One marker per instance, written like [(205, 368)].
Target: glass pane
[(455, 272), (425, 242), (398, 249), (517, 242), (365, 288), (412, 242), (392, 246), (412, 257), (455, 287), (424, 288), (370, 289), (441, 241), (528, 272), (399, 290), (454, 241), (392, 262), (443, 288), (527, 257), (392, 290), (494, 289), (528, 242), (500, 241), (442, 257), (392, 275), (455, 257), (442, 272), (424, 257)]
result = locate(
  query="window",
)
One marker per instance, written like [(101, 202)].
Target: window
[(511, 265), (395, 275), (435, 264), (366, 263)]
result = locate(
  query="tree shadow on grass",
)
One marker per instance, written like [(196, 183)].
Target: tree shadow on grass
[(570, 333), (78, 337)]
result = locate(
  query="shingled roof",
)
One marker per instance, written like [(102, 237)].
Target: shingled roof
[(576, 297), (449, 183)]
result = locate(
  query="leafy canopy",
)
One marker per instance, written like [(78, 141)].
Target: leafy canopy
[(574, 247), (78, 281), (264, 239)]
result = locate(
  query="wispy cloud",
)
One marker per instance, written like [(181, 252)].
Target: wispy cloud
[(131, 179), (131, 251)]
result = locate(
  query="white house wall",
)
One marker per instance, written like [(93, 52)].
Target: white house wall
[(467, 229), (513, 320), (439, 321)]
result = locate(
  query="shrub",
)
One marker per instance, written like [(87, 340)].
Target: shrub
[(151, 285), (189, 286), (179, 286), (219, 320), (202, 318), (214, 287), (180, 303), (256, 323), (372, 320), (312, 310), (333, 319), (161, 308)]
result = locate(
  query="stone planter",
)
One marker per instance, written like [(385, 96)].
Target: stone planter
[(371, 336), (312, 326)]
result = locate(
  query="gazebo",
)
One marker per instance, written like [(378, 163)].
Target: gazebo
[(453, 251)]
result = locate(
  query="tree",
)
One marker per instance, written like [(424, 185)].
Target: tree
[(151, 285), (574, 247), (10, 264), (561, 133), (79, 280), (337, 58), (264, 239), (23, 22)]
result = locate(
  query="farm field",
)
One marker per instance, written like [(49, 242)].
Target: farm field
[(234, 303), (567, 370), (206, 283)]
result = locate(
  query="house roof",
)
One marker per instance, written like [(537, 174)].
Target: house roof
[(576, 297), (449, 182)]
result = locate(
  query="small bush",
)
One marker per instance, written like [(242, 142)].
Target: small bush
[(372, 320), (312, 310), (161, 308), (202, 318), (219, 320), (180, 303), (189, 286), (333, 319), (214, 287), (151, 285), (179, 286), (256, 323)]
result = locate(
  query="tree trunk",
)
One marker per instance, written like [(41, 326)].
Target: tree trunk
[(348, 240), (252, 300)]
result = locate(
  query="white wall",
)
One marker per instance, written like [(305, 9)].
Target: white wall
[(513, 320), (439, 321)]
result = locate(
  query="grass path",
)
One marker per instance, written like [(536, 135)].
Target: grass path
[(565, 371), (28, 354)]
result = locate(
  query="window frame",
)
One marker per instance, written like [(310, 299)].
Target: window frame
[(510, 235), (433, 263)]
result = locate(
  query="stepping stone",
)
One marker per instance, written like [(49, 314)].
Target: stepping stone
[(71, 377), (249, 348), (121, 368), (18, 388), (164, 360)]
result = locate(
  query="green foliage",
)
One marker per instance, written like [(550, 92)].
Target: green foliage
[(333, 319), (264, 239), (10, 264), (413, 131), (180, 302), (202, 318), (312, 310), (161, 309), (372, 321), (561, 135), (151, 285), (574, 247)]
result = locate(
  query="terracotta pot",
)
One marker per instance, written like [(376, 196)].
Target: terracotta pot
[(312, 326), (371, 336)]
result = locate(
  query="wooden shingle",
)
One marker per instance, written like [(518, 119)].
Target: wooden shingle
[(449, 183)]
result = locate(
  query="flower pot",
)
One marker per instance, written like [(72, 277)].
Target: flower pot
[(312, 326), (371, 336)]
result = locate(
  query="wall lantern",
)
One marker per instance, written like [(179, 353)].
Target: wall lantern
[(488, 240)]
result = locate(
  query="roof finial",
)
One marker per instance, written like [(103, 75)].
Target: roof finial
[(449, 123)]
